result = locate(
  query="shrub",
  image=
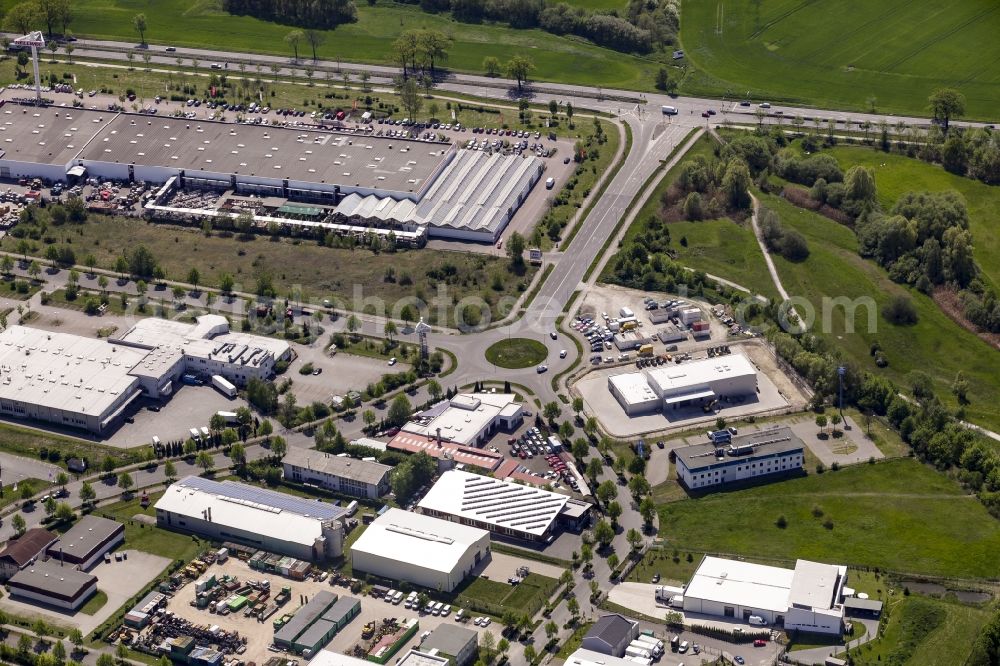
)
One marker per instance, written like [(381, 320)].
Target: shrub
[(900, 311), (781, 523)]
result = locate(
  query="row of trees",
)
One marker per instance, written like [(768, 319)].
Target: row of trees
[(320, 14), (53, 15), (419, 51)]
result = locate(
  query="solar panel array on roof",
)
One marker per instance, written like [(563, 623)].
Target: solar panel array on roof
[(264, 499), (510, 504)]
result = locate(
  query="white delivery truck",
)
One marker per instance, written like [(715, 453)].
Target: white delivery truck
[(230, 418), (224, 386), (632, 651), (195, 435), (655, 644), (669, 110)]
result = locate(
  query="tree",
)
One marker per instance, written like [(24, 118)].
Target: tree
[(647, 509), (835, 421), (735, 183), (487, 643), (614, 512), (551, 629), (607, 491), (945, 104), (204, 460), (59, 652), (594, 468), (634, 538), (27, 490), (62, 478), (139, 23), (515, 249), (105, 659), (169, 470), (34, 269), (279, 447), (64, 512), (502, 646), (530, 654), (399, 410), (492, 66), (518, 68), (238, 454), (604, 533), (551, 411), (960, 388), (580, 449), (638, 485), (293, 39), (22, 18), (409, 96), (390, 329), (226, 283), (125, 481), (87, 494), (821, 422), (17, 522), (434, 388), (121, 651), (50, 505), (76, 638), (369, 417), (315, 39)]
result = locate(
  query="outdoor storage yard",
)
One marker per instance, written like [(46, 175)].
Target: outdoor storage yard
[(260, 635)]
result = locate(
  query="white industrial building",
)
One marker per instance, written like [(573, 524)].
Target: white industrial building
[(468, 419), (749, 456), (89, 383), (50, 583), (502, 507), (585, 657), (255, 517), (674, 386), (405, 186), (429, 552), (340, 474), (808, 598)]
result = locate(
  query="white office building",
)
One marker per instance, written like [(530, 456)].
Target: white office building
[(432, 553), (674, 386), (774, 451), (339, 474), (808, 598), (255, 517), (468, 419)]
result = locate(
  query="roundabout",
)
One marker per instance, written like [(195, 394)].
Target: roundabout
[(516, 353)]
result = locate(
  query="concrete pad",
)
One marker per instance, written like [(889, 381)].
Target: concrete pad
[(640, 597), (120, 581), (502, 566)]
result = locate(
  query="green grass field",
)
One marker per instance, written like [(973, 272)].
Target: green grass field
[(897, 515), (895, 175), (921, 631), (719, 247), (842, 53), (935, 344), (201, 23), (516, 353)]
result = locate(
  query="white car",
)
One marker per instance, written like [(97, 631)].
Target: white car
[(478, 621), (542, 368), (486, 622), (392, 361)]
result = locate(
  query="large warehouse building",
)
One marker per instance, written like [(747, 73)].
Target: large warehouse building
[(84, 544), (255, 517), (408, 186), (502, 507), (772, 451), (432, 553), (89, 383), (808, 598), (669, 387), (340, 474)]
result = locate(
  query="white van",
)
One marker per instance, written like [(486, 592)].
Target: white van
[(437, 608), (156, 440), (550, 183), (757, 621), (669, 110)]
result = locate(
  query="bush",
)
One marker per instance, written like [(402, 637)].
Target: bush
[(900, 311), (781, 523)]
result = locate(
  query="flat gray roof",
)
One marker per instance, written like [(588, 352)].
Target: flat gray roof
[(298, 154), (305, 616), (449, 639), (363, 471), (49, 577), (81, 539), (766, 444), (52, 135)]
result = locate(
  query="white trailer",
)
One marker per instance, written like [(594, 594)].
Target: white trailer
[(632, 651), (224, 386), (230, 418), (655, 644), (639, 660)]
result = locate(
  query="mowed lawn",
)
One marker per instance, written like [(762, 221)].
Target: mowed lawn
[(935, 344), (895, 175), (202, 23), (841, 53), (898, 515)]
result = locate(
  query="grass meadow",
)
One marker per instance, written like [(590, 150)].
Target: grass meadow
[(843, 54), (898, 515)]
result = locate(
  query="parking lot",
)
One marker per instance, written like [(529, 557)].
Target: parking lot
[(338, 374)]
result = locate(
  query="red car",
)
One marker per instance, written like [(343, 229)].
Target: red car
[(760, 642)]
